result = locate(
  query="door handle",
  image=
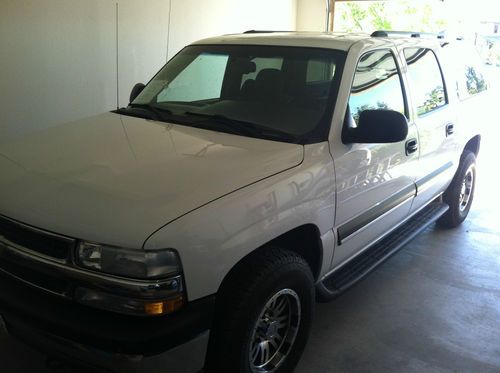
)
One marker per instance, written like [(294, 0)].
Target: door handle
[(449, 129), (411, 146)]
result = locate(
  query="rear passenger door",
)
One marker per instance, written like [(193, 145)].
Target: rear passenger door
[(435, 120), (375, 182)]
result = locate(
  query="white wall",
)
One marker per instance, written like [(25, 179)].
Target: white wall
[(311, 15), (58, 57), (55, 62), (142, 42), (197, 19)]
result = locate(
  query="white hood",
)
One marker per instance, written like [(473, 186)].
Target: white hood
[(116, 179)]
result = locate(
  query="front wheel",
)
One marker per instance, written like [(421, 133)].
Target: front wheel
[(460, 192), (263, 314)]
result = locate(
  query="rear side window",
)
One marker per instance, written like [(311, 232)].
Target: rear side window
[(376, 85), (467, 68), (426, 80), (471, 81)]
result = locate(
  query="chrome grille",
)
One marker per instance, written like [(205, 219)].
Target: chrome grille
[(35, 241)]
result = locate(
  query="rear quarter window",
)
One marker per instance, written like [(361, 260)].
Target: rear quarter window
[(467, 69)]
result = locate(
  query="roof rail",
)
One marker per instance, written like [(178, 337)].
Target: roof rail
[(262, 31), (411, 34)]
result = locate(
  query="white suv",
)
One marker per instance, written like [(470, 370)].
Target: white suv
[(251, 175)]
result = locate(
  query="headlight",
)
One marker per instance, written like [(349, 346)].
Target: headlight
[(150, 282), (117, 261)]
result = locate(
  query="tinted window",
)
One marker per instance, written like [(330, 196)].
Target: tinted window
[(376, 85), (278, 93), (426, 81), (319, 71), (200, 80), (260, 64)]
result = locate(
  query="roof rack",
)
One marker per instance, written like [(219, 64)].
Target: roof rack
[(411, 34)]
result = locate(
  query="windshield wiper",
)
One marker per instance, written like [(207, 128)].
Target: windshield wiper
[(154, 112), (158, 111), (241, 127)]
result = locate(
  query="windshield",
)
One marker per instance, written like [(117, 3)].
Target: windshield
[(279, 93)]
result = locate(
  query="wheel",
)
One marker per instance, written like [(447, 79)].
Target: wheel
[(263, 314), (460, 192)]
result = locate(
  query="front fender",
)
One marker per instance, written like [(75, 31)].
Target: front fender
[(216, 236)]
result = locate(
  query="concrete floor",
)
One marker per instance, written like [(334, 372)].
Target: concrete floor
[(433, 307)]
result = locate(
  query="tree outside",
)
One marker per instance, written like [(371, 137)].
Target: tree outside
[(368, 16)]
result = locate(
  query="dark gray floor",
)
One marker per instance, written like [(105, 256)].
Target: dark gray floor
[(433, 307)]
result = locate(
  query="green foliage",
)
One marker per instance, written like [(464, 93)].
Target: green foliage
[(434, 100), (368, 16), (352, 17), (379, 19), (475, 82)]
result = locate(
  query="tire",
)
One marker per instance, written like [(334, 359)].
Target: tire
[(267, 297), (460, 192)]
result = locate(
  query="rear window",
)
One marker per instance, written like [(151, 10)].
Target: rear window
[(426, 80)]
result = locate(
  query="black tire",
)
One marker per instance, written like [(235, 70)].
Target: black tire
[(464, 181), (241, 301)]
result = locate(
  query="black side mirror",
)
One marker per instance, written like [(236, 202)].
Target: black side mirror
[(135, 91), (377, 127)]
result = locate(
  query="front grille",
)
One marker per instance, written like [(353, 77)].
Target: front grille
[(39, 242), (45, 281)]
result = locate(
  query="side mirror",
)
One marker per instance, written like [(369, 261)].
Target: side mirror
[(377, 127), (135, 91)]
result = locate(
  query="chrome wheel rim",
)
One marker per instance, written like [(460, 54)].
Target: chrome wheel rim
[(466, 189), (275, 331)]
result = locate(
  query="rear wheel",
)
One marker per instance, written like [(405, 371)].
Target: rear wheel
[(263, 314), (460, 192)]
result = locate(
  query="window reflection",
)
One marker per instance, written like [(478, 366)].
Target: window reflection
[(426, 80), (376, 85), (474, 81)]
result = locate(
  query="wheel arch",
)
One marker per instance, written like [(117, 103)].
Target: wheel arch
[(304, 240), (473, 145)]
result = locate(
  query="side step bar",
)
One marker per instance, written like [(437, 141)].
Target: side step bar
[(363, 264)]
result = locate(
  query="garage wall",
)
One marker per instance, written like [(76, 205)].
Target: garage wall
[(311, 15), (142, 42), (58, 57), (194, 19)]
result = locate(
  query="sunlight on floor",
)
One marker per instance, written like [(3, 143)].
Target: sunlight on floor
[(489, 155)]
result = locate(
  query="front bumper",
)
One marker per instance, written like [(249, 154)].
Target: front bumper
[(88, 336)]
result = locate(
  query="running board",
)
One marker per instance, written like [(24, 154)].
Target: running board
[(363, 264)]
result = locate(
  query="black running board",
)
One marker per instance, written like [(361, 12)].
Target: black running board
[(363, 264)]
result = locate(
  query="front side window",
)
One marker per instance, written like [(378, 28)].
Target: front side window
[(259, 91), (425, 79), (376, 85)]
